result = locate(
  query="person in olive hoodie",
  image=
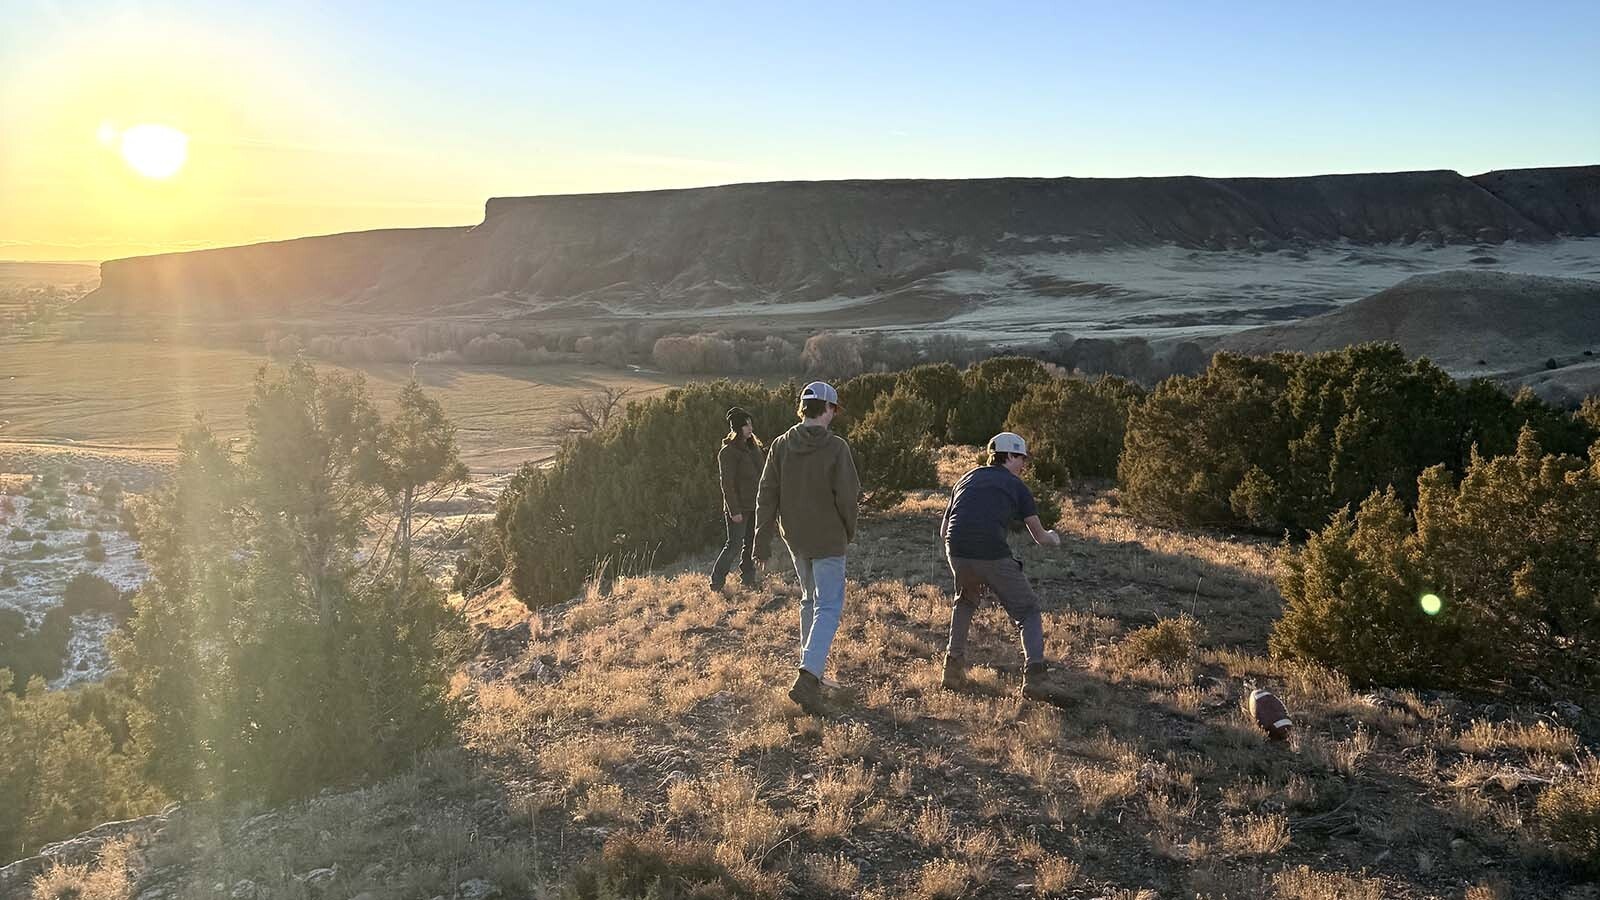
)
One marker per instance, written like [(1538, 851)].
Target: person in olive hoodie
[(739, 465), (809, 489)]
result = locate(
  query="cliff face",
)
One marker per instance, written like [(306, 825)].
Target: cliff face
[(807, 240)]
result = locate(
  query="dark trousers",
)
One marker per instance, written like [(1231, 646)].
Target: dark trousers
[(740, 535), (1004, 579)]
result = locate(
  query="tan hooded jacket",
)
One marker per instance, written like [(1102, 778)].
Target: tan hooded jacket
[(809, 489)]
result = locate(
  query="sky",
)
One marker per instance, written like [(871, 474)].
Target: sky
[(315, 117)]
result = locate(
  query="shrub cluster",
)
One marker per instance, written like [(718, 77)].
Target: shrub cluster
[(1494, 575), (643, 488), (988, 391), (29, 653), (281, 644), (892, 448), (67, 762), (1075, 427), (1281, 442)]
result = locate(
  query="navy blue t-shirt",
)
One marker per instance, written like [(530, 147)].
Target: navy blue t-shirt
[(984, 504)]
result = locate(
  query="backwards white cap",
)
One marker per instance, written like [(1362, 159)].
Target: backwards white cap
[(820, 390), (1007, 442)]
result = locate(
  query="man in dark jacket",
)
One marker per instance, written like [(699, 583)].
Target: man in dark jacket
[(739, 468), (809, 488), (982, 507)]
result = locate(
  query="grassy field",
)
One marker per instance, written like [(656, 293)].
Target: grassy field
[(143, 395), (641, 731)]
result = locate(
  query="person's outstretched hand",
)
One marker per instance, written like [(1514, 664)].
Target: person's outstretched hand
[(1052, 538)]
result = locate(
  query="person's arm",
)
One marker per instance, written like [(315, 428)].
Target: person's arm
[(944, 520), (728, 472), (767, 501), (1042, 536), (1029, 511), (847, 491)]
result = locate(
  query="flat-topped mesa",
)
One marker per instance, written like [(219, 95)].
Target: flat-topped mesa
[(1563, 201), (701, 247)]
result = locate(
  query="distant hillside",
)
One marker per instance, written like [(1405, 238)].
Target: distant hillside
[(706, 247), (1486, 323)]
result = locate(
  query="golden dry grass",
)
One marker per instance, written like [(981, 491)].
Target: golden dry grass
[(142, 394), (110, 877), (659, 709)]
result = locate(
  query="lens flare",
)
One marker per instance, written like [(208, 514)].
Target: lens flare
[(155, 151), (1431, 604)]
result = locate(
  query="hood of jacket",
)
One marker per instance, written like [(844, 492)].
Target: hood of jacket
[(804, 439)]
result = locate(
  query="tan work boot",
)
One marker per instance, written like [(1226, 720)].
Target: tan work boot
[(955, 673), (1039, 683), (807, 692)]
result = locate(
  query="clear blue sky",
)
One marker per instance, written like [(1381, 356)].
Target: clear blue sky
[(468, 100)]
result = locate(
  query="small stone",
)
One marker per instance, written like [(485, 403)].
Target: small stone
[(317, 877), (243, 889), (477, 889)]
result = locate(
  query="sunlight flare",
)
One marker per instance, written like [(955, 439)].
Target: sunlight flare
[(154, 151)]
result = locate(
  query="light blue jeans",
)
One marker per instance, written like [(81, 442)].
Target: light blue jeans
[(821, 602)]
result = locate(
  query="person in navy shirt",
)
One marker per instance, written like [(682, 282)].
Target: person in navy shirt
[(984, 504)]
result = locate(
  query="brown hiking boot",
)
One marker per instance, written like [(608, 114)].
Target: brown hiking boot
[(807, 692), (955, 673), (1039, 683)]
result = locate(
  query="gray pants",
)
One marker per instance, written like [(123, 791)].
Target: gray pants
[(1004, 578)]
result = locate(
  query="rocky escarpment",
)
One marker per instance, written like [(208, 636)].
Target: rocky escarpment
[(686, 249)]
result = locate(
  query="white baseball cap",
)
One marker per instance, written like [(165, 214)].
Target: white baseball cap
[(820, 390), (1007, 442)]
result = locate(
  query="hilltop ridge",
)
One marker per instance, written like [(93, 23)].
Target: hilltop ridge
[(804, 241)]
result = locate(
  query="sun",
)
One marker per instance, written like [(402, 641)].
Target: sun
[(154, 151)]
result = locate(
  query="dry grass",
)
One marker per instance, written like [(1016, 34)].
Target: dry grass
[(832, 872), (146, 394), (942, 879), (1100, 786), (607, 803), (1570, 811), (1484, 738), (662, 711), (1253, 835), (582, 760), (1054, 874), (110, 877), (1343, 757), (850, 741), (932, 827), (1305, 883), (1168, 643), (1488, 890)]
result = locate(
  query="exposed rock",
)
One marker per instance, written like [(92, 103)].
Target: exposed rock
[(477, 889), (318, 877), (15, 878)]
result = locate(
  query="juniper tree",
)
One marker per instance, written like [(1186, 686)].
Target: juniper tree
[(272, 652)]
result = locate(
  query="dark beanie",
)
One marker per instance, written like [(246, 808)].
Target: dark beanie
[(737, 418)]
